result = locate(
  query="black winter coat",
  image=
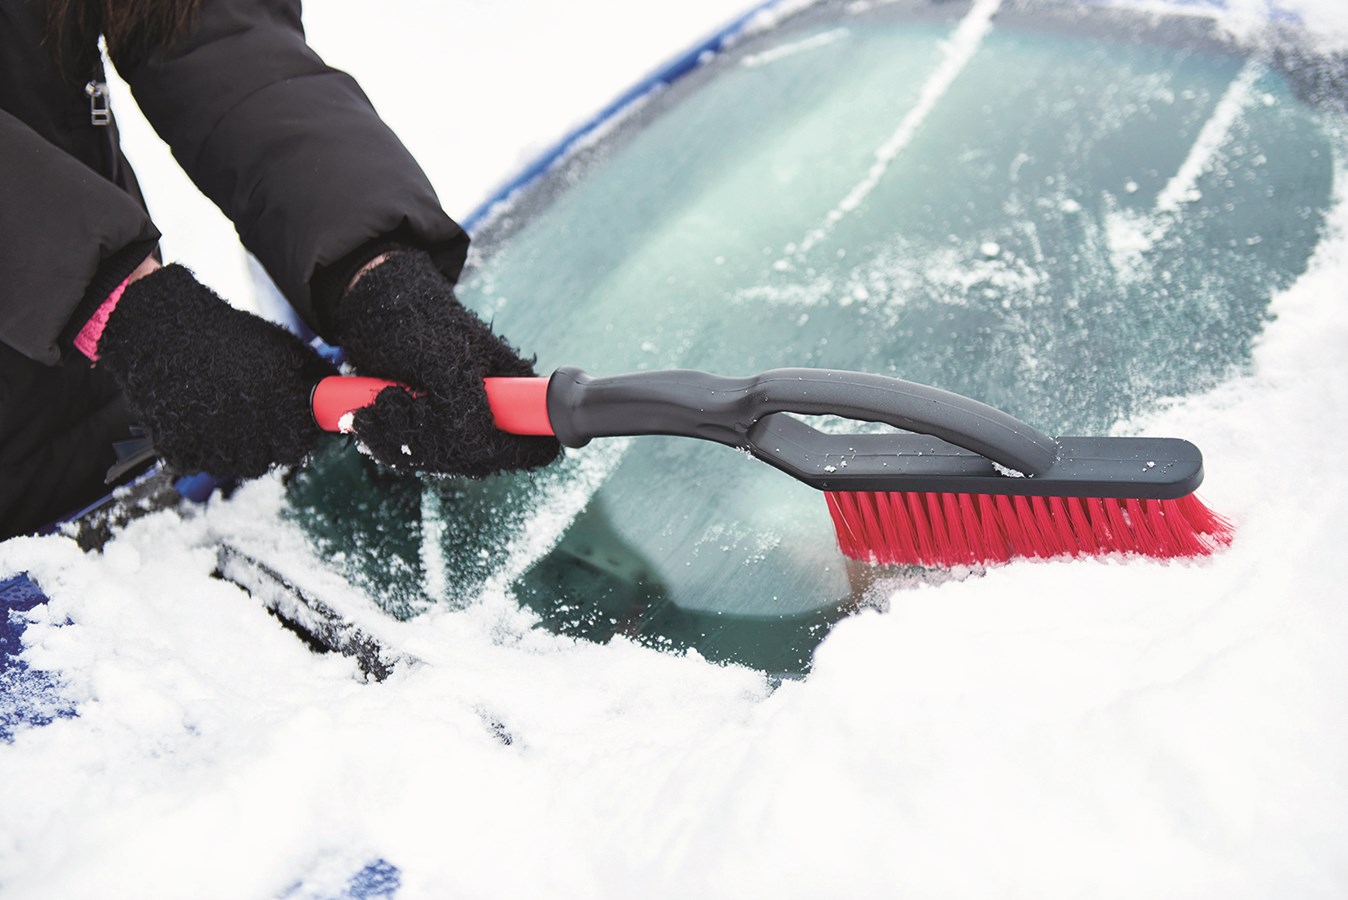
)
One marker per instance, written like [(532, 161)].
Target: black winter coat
[(290, 149)]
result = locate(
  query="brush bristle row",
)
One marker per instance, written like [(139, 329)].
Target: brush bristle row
[(926, 529)]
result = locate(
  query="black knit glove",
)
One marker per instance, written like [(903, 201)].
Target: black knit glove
[(221, 391), (401, 321)]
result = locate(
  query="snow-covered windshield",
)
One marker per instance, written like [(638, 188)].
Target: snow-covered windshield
[(1072, 213)]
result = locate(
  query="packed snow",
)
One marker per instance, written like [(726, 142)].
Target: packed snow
[(1104, 728)]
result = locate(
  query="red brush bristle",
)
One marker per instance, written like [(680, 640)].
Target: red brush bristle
[(905, 541), (841, 506), (993, 538), (921, 526), (927, 529), (961, 551)]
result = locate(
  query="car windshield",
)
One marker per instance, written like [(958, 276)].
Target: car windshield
[(1071, 213)]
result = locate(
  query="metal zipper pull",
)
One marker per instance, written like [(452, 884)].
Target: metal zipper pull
[(100, 113)]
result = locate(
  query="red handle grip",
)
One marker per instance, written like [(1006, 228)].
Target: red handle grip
[(519, 405)]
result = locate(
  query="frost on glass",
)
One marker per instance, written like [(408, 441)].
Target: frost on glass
[(1068, 217)]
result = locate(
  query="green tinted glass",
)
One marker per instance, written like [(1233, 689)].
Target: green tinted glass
[(1071, 216)]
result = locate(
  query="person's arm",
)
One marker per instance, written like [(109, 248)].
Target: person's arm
[(68, 237), (319, 187), (219, 390), (290, 149)]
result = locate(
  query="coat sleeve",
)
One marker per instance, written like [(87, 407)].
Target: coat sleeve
[(65, 231), (290, 149)]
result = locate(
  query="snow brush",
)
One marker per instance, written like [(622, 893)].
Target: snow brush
[(965, 484)]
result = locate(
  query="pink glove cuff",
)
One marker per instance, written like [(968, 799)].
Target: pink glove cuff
[(87, 340)]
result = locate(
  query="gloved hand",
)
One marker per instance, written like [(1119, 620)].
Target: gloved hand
[(219, 390), (401, 321)]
